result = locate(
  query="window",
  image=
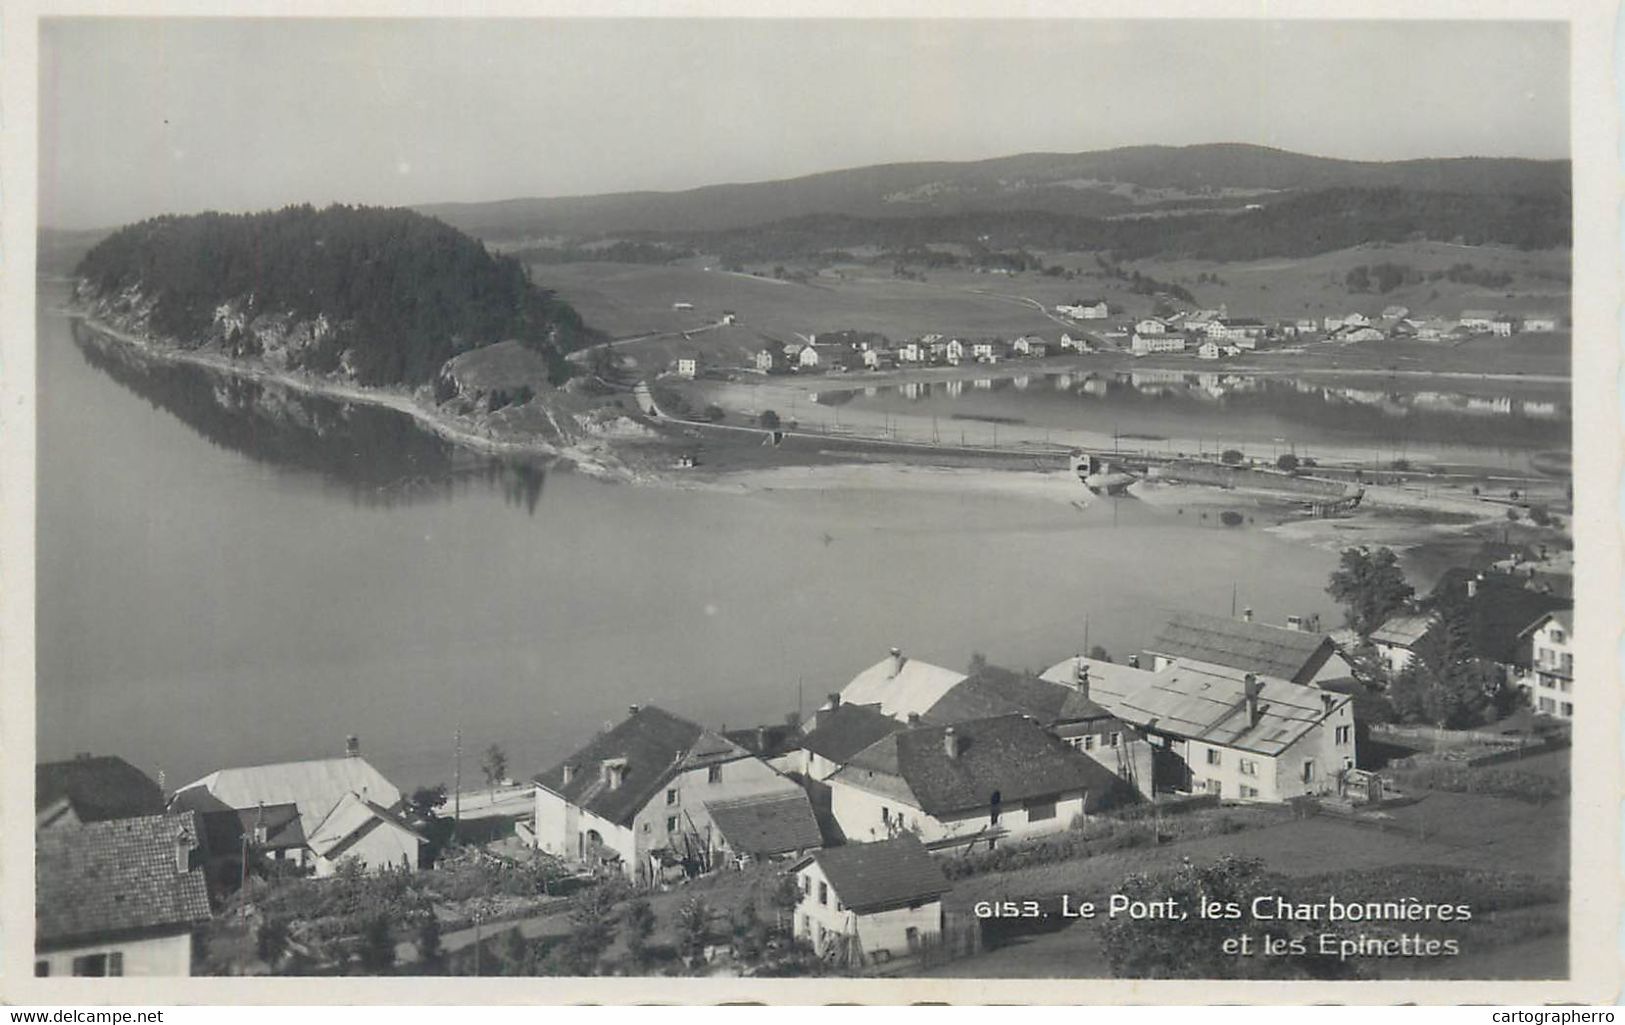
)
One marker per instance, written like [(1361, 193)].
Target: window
[(645, 827), (1111, 739), (1568, 710), (839, 905), (1342, 734), (1248, 767), (885, 815), (1038, 811), (1215, 788), (42, 969), (1089, 743), (913, 936), (96, 966), (1247, 791), (1309, 771), (713, 774), (993, 809), (806, 885), (671, 796), (115, 963), (823, 893), (671, 823), (1213, 756), (1547, 705), (1557, 636)]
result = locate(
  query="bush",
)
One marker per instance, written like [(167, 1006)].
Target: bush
[(714, 413), (1495, 780), (1231, 518), (1232, 456), (769, 420), (1287, 462)]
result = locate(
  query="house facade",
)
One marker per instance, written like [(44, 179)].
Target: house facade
[(978, 781), (1299, 654), (1085, 309), (638, 799), (118, 897), (1396, 639), (1144, 345), (1550, 684), (880, 901)]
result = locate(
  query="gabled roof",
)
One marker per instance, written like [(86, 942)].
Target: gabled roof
[(316, 786), (1403, 630), (655, 746), (1564, 618), (224, 830), (1498, 611), (767, 741), (766, 824), (913, 687), (1209, 704), (1009, 755), (843, 731), (115, 876), (993, 690), (876, 876), (350, 820), (1254, 647), (100, 788)]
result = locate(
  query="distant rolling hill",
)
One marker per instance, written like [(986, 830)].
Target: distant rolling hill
[(1103, 184)]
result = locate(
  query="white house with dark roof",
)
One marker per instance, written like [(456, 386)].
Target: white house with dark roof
[(870, 901), (899, 686), (1231, 733), (118, 897), (1396, 639), (1302, 656), (367, 831), (1550, 684), (837, 732), (641, 797), (976, 781)]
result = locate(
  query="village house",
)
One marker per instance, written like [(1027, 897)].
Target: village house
[(916, 351), (772, 361), (1209, 350), (1298, 653), (1396, 639), (92, 789), (1434, 329), (827, 356), (1063, 707), (1478, 321), (879, 359), (640, 799), (1233, 734), (898, 686), (777, 744), (990, 350), (1144, 345), (1493, 609), (1085, 309), (688, 366), (971, 782), (879, 901), (346, 808), (792, 351), (1395, 312), (1357, 333), (1503, 325), (838, 732), (1150, 326), (1234, 328), (1031, 345), (1540, 323), (118, 897), (958, 351), (1550, 684)]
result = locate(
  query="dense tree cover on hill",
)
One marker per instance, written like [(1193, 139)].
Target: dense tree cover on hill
[(1300, 225), (620, 251), (402, 292), (1383, 278)]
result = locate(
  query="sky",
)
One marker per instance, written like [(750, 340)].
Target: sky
[(147, 116)]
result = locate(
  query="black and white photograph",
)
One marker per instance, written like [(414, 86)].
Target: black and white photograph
[(930, 502)]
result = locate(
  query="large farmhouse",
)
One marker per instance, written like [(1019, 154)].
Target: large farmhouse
[(1301, 656)]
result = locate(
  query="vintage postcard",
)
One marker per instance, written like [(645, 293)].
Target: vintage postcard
[(685, 504)]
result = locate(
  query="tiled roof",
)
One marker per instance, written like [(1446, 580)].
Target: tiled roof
[(106, 787), (655, 745), (876, 876), (767, 741), (841, 732), (993, 690), (765, 824), (1009, 755), (115, 876), (913, 687), (1403, 630), (1254, 647), (1208, 703), (316, 786)]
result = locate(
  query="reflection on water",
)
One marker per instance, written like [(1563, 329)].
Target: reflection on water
[(1156, 403), (375, 456)]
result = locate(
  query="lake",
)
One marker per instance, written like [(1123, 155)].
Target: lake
[(230, 573)]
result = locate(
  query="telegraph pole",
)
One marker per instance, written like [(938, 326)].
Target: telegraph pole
[(457, 783)]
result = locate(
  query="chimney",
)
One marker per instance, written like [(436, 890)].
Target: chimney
[(261, 834), (834, 702), (1250, 687), (1134, 661), (897, 661), (761, 739), (1246, 615), (1326, 702), (950, 742), (914, 718), (183, 851), (633, 709), (352, 746), (1294, 623), (1081, 676), (569, 773)]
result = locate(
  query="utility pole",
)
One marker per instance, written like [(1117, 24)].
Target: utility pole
[(457, 784)]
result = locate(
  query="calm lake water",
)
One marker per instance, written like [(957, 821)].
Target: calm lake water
[(230, 574), (1394, 417)]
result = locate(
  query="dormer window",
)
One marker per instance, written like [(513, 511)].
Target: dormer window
[(713, 774)]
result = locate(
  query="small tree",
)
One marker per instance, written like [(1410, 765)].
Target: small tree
[(1232, 456), (1287, 462), (1371, 587), (769, 420), (1512, 516), (425, 800), (693, 928), (1539, 516), (714, 413), (495, 765), (978, 662), (377, 943), (1100, 654), (428, 940), (639, 922), (271, 942)]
